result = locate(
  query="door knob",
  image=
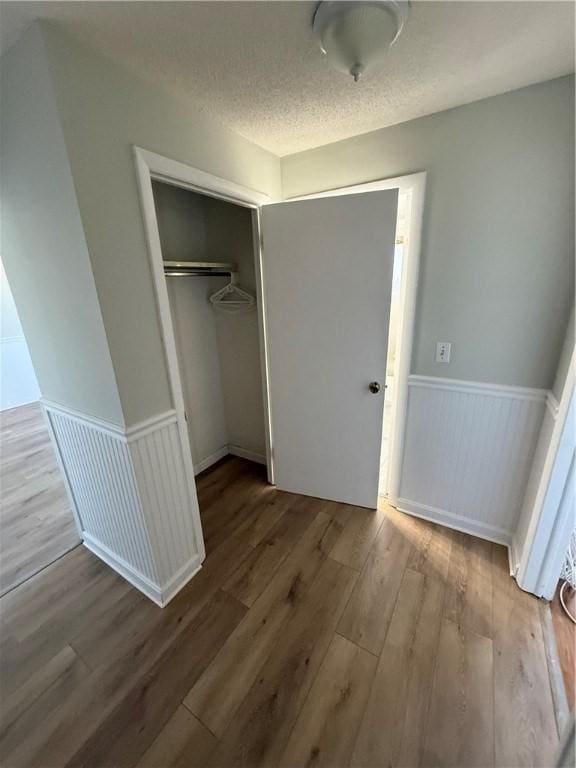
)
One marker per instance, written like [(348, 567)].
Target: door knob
[(374, 387)]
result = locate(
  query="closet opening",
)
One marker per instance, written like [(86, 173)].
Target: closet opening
[(210, 272)]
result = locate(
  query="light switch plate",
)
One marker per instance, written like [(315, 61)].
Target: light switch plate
[(443, 350)]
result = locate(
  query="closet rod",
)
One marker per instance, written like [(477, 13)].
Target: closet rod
[(199, 268), (196, 273)]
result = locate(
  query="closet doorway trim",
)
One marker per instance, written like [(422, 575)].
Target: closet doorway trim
[(153, 167)]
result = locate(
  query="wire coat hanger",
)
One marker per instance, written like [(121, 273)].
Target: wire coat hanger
[(232, 298)]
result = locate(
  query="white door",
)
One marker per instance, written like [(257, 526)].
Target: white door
[(327, 270)]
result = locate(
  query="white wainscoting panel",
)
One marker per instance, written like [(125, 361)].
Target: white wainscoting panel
[(100, 474), (542, 444), (164, 492), (136, 507), (468, 452)]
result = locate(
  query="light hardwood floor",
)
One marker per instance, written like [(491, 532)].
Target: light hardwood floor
[(565, 633), (36, 522), (316, 634)]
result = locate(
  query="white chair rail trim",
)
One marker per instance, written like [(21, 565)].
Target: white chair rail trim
[(480, 387), (125, 434)]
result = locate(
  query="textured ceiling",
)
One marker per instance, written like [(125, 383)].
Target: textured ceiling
[(256, 67)]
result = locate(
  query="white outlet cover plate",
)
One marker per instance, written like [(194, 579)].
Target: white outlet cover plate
[(443, 350)]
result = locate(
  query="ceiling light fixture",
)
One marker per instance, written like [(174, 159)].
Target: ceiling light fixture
[(356, 34)]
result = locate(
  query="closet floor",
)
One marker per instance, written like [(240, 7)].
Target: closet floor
[(36, 523), (315, 634)]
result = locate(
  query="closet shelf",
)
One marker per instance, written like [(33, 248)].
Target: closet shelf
[(209, 268)]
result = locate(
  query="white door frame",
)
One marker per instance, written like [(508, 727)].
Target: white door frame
[(153, 167), (414, 183), (552, 517)]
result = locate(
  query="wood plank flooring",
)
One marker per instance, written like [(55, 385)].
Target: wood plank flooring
[(36, 522), (316, 634), (565, 632)]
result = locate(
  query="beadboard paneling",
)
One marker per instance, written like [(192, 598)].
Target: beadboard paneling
[(165, 496), (541, 449), (136, 508), (467, 453), (101, 477)]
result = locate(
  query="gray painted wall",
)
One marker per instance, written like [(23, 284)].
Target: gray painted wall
[(43, 245), (199, 362), (565, 355), (104, 112), (497, 262), (219, 354), (181, 217), (497, 270), (230, 237), (18, 382)]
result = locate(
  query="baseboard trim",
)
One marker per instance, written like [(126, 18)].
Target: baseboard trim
[(513, 559), (228, 450), (180, 579), (209, 460), (243, 453), (559, 697), (119, 565), (160, 595), (552, 404), (13, 340), (457, 522), (5, 408)]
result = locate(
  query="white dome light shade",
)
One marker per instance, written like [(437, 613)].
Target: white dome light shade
[(357, 34)]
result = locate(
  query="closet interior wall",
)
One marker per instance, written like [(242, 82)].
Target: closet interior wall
[(218, 353)]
